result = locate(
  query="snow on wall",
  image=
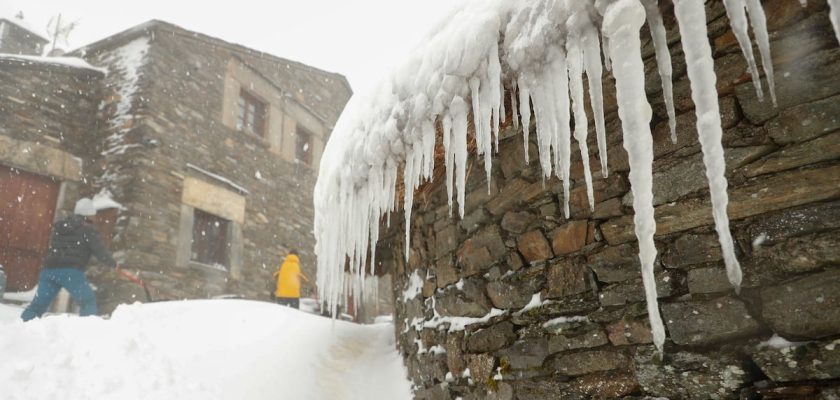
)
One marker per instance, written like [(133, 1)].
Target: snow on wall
[(538, 52), (125, 62)]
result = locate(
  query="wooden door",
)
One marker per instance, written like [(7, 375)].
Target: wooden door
[(27, 209)]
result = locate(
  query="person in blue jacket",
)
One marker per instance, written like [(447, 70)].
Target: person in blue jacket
[(74, 240)]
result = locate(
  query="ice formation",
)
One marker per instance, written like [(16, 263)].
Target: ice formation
[(834, 15), (538, 52)]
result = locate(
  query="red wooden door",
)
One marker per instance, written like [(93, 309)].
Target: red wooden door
[(27, 208)]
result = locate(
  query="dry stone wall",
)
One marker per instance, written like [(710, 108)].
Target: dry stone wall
[(465, 332)]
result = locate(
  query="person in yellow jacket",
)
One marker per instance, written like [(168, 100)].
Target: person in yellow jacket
[(288, 278)]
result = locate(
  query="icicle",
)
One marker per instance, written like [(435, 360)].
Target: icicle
[(525, 112), (606, 45), (448, 158), (759, 24), (691, 17), (834, 15), (513, 105), (663, 61), (458, 110), (502, 109), (622, 22), (804, 3), (592, 64), (563, 120), (575, 67), (735, 9), (494, 75)]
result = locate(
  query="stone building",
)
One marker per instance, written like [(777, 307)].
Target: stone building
[(18, 37), (591, 338), (203, 151)]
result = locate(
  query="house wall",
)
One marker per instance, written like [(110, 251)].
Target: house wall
[(593, 339), (47, 115), (14, 40), (180, 131)]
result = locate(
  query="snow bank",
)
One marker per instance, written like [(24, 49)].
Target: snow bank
[(538, 52), (211, 349)]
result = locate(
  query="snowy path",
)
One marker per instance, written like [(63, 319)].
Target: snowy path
[(219, 349)]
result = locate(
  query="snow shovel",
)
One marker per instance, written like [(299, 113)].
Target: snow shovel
[(135, 279)]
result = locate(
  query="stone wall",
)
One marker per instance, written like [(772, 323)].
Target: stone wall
[(47, 115), (16, 40), (591, 338)]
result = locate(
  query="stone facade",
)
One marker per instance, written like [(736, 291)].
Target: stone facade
[(159, 133), (591, 338), (48, 111), (16, 37)]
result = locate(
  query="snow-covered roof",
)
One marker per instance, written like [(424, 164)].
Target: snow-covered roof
[(22, 24), (537, 52), (72, 62)]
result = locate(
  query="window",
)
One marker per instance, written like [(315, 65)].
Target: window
[(210, 239), (251, 114), (303, 146)]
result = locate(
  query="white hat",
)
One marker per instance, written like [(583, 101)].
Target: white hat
[(84, 207)]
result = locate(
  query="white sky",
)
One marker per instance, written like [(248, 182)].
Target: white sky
[(361, 39)]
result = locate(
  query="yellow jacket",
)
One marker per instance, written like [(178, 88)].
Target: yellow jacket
[(288, 277)]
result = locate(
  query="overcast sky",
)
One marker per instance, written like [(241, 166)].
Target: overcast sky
[(361, 39)]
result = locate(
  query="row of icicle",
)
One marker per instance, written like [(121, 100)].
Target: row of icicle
[(539, 51)]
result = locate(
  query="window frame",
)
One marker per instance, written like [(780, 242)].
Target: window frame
[(251, 107), (308, 157), (213, 249)]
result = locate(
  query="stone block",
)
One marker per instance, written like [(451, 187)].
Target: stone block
[(821, 81), (823, 148), (454, 355), (517, 290), (608, 209), (691, 250), (526, 353), (508, 197), (807, 307), (491, 338), (805, 121), (517, 222), (587, 362), (481, 250), (474, 220), (629, 331), (686, 375), (479, 196), (790, 189), (800, 362), (567, 278), (542, 389), (469, 301), (779, 226), (569, 238), (445, 272), (687, 175), (606, 385), (534, 246), (667, 284), (615, 263), (481, 367), (585, 336), (708, 321), (446, 240), (708, 280)]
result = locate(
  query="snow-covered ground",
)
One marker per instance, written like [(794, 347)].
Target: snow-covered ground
[(200, 349)]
